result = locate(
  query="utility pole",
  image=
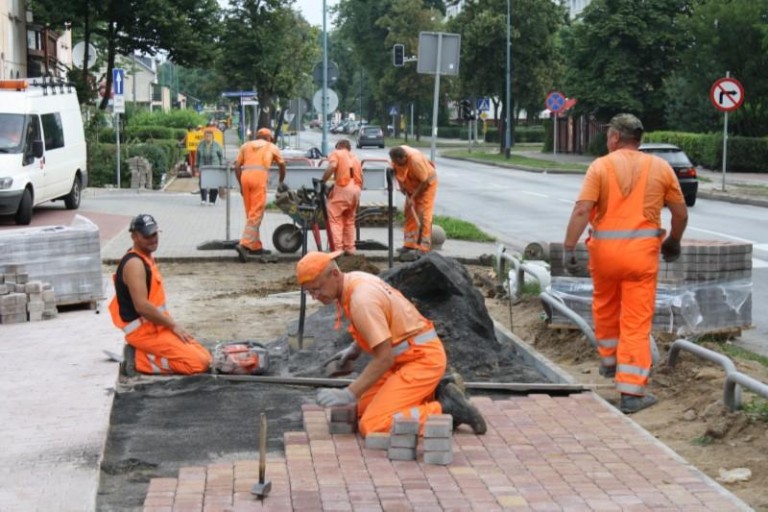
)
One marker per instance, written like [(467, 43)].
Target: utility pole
[(508, 100)]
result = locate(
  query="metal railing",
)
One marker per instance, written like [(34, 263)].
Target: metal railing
[(517, 275), (733, 377)]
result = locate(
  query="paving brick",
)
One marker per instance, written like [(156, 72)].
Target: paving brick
[(405, 426), (401, 453), (433, 444), (341, 414), (403, 441), (377, 441), (442, 458), (342, 428)]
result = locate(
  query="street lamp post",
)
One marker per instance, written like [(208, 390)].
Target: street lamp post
[(508, 100), (362, 70), (324, 147)]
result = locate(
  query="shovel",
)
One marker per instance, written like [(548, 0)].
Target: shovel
[(262, 488)]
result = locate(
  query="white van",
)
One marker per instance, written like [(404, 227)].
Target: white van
[(42, 146)]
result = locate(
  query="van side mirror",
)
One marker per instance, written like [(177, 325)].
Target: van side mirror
[(37, 148)]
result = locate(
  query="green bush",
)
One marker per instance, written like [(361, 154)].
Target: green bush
[(172, 119), (146, 132), (102, 165), (745, 154), (521, 134)]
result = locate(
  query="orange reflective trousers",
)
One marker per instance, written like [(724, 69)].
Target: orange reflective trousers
[(158, 350), (253, 181), (342, 210), (416, 236), (624, 262), (407, 389)]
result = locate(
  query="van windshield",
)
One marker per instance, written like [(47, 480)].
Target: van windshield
[(11, 130)]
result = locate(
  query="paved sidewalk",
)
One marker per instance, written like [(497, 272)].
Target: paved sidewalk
[(540, 453)]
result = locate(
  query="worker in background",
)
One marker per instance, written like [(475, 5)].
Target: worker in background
[(622, 198), (417, 178), (407, 357), (347, 172), (156, 343), (209, 152), (252, 171)]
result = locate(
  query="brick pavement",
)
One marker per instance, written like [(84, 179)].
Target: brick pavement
[(540, 453)]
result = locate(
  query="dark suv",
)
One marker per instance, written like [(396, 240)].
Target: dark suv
[(679, 161), (370, 136)]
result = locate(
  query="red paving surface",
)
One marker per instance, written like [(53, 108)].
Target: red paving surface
[(50, 215), (540, 453)]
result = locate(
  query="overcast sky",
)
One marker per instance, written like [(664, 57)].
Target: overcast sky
[(312, 10)]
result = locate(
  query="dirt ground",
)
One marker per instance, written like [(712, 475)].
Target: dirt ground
[(231, 301)]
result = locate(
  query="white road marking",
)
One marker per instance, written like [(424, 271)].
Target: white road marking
[(568, 201), (758, 263), (760, 247), (534, 194)]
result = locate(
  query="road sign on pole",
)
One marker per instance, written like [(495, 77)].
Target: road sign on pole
[(555, 101), (483, 104), (727, 94)]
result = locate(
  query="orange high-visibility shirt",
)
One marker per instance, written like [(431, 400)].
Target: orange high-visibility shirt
[(417, 169), (259, 153)]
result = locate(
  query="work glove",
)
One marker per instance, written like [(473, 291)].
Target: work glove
[(329, 397), (571, 262), (282, 187), (350, 353), (670, 249)]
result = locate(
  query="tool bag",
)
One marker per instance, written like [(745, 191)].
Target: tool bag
[(240, 358)]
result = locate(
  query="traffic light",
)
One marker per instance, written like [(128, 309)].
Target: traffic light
[(398, 55), (466, 110)]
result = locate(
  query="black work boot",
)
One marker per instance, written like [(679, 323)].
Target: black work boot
[(242, 253), (453, 402), (631, 404), (609, 372), (128, 366)]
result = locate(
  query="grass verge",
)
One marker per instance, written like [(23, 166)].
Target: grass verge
[(514, 160), (457, 229)]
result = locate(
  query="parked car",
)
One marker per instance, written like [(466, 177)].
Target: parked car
[(684, 169), (370, 136), (315, 123)]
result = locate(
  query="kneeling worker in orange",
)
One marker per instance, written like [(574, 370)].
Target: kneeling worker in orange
[(403, 378), (161, 345), (342, 202), (417, 178), (622, 197), (252, 171)]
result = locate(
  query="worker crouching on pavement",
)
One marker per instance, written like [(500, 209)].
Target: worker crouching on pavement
[(417, 178), (161, 345), (622, 197), (403, 378), (252, 170), (345, 195)]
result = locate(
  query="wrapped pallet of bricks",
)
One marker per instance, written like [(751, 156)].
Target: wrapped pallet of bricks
[(66, 258), (707, 290)]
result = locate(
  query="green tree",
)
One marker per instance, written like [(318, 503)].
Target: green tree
[(534, 29), (184, 29), (266, 45), (725, 36), (619, 53)]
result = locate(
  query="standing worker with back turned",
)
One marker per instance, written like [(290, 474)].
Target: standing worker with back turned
[(622, 197), (161, 345), (403, 378), (417, 178), (252, 171), (342, 202)]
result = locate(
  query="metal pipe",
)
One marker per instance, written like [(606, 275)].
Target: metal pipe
[(732, 379), (521, 268), (731, 393), (572, 315)]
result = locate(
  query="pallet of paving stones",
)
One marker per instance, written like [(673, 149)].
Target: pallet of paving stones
[(707, 290), (66, 257)]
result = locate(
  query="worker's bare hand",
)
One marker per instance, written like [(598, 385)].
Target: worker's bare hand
[(329, 397), (182, 333)]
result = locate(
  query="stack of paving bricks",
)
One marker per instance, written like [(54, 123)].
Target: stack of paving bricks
[(403, 439), (707, 290), (22, 300), (67, 257), (343, 419), (438, 439)]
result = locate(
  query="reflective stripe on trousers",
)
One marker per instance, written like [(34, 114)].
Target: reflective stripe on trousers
[(135, 324), (420, 339), (156, 362), (632, 389), (607, 350), (414, 412), (253, 168)]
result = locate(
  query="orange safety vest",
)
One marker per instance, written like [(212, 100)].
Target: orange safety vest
[(256, 156), (348, 169), (402, 173), (121, 308), (401, 341)]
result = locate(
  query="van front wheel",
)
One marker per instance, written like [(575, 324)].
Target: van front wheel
[(24, 214), (72, 200)]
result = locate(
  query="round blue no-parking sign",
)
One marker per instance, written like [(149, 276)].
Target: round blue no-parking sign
[(555, 101)]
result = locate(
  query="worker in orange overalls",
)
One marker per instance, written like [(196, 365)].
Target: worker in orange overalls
[(160, 344), (622, 197), (407, 358), (252, 171), (417, 178), (345, 195)]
